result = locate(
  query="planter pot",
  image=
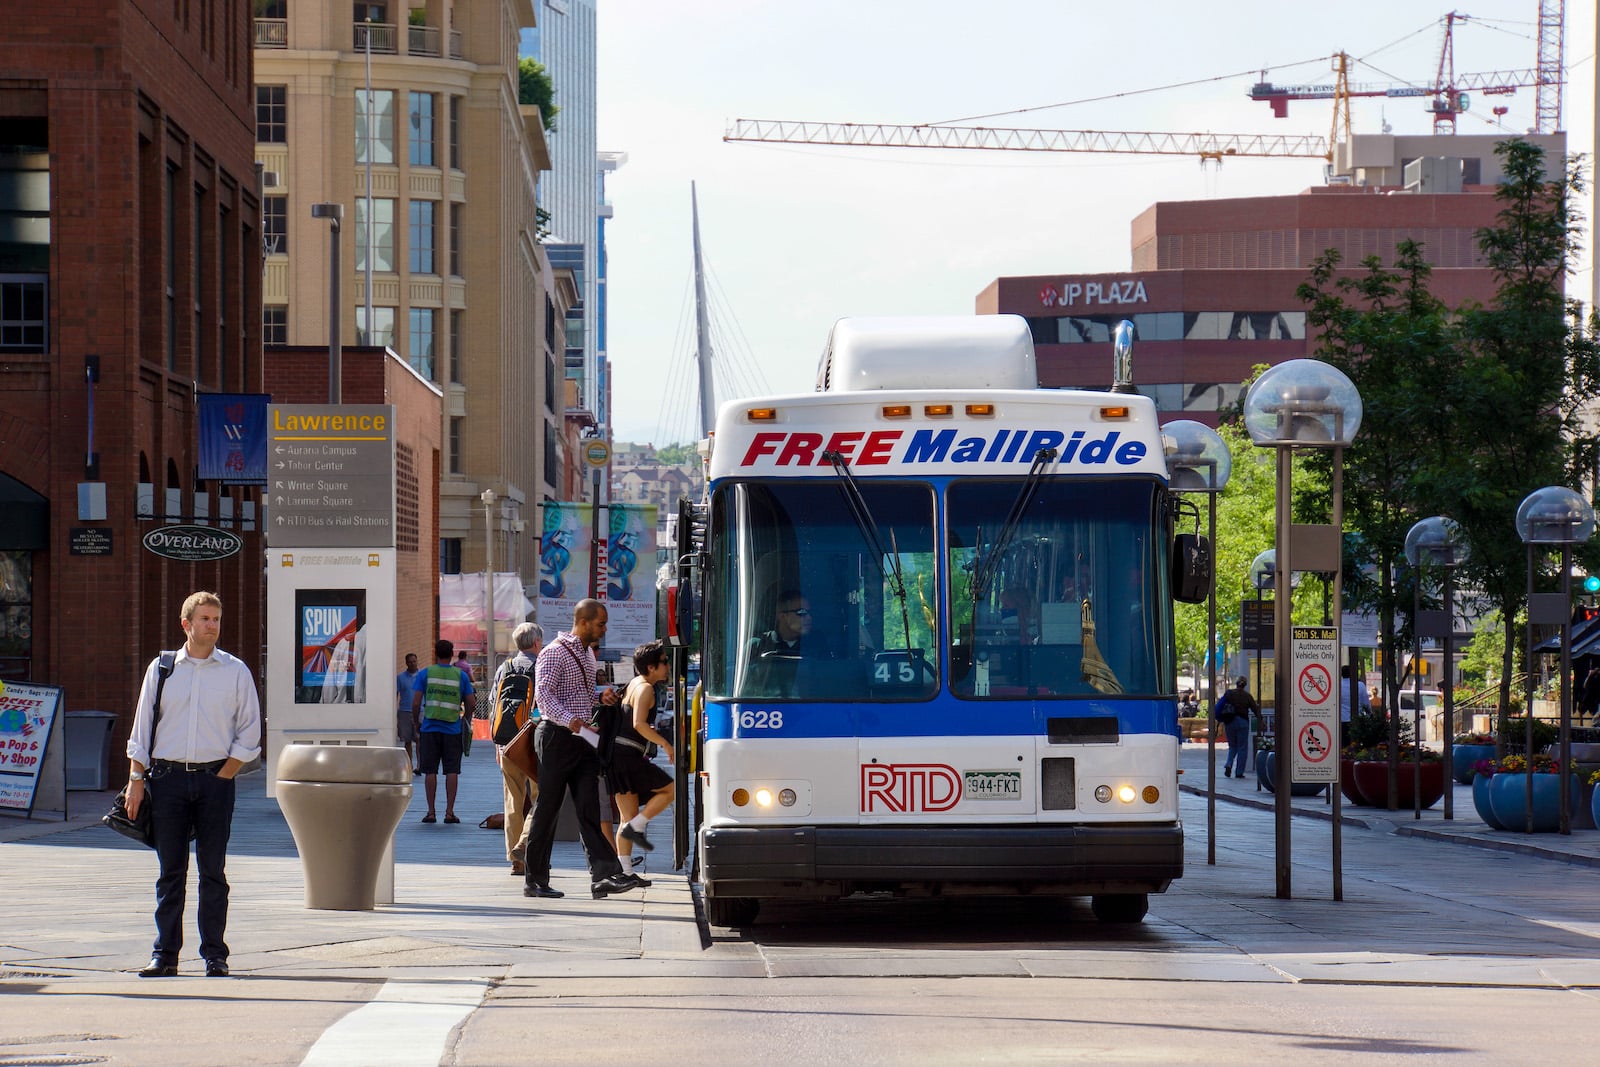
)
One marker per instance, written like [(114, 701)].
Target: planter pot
[(1594, 807), (1347, 784), (1372, 782), (1508, 793), (1480, 800), (1464, 756), (1267, 776), (1583, 806)]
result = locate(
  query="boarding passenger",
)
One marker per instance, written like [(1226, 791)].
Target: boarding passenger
[(633, 778)]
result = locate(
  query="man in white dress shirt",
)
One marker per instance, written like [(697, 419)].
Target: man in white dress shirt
[(210, 727)]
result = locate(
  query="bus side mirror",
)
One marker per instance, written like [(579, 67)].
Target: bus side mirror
[(1191, 568)]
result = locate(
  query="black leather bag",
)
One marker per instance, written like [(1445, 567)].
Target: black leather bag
[(141, 829)]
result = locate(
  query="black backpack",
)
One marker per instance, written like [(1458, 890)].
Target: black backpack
[(513, 702)]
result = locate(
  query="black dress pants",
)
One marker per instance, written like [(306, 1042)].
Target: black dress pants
[(201, 804), (567, 764)]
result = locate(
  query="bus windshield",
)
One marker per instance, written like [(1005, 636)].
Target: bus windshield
[(806, 604), (1068, 602)]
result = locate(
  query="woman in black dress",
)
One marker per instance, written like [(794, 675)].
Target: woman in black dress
[(633, 778)]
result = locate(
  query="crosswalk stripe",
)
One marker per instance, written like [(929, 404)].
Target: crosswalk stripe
[(405, 1025)]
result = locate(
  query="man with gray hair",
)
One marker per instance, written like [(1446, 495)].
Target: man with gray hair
[(519, 790)]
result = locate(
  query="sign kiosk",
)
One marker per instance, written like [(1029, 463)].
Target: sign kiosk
[(331, 583)]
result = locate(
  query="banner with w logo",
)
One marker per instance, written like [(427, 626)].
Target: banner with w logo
[(233, 438)]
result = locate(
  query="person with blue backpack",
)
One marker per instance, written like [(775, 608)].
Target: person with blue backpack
[(1233, 710)]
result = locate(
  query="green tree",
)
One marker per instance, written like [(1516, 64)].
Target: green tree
[(534, 87), (1385, 330), (1528, 370), (677, 455)]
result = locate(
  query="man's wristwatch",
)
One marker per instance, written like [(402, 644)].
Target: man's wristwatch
[(135, 776)]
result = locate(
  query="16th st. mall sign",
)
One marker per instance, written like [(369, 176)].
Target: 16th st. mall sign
[(330, 476)]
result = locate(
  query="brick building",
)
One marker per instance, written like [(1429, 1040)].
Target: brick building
[(130, 249), (1212, 289)]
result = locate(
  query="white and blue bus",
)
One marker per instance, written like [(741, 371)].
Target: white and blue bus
[(936, 632)]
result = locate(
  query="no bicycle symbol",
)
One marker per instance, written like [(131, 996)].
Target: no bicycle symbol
[(1315, 742), (1315, 682)]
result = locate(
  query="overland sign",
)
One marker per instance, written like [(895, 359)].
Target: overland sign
[(330, 476)]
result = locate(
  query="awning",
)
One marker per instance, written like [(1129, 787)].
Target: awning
[(1585, 640)]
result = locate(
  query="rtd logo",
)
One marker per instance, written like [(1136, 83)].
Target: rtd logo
[(898, 788)]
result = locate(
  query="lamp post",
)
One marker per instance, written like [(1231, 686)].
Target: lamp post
[(1554, 515), (1438, 541), (1302, 403), (1198, 461), (488, 498), (334, 213)]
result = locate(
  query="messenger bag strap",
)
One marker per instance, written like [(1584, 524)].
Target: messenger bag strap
[(164, 667)]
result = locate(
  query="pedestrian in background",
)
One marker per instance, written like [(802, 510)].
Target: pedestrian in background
[(634, 779), (1363, 701), (405, 730), (441, 698), (1589, 695), (517, 789), (1233, 710), (210, 727), (464, 665), (568, 761)]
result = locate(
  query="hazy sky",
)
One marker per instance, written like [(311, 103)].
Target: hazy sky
[(796, 236)]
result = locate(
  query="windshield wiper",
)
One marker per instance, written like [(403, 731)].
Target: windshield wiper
[(1019, 507), (869, 532)]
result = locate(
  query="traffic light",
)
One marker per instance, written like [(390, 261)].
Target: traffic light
[(1584, 612), (1591, 584)]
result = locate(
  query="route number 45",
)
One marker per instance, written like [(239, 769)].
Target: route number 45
[(761, 720)]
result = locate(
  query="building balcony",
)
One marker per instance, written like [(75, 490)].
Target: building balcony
[(272, 33), (422, 40), (380, 37)]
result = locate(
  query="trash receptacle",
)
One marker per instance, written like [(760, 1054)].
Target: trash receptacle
[(88, 736), (342, 803)]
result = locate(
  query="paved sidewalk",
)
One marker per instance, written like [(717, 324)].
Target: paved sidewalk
[(1582, 846), (85, 898)]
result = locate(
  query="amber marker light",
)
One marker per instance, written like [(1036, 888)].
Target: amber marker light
[(1151, 794), (897, 411), (761, 414), (741, 797), (1117, 412), (938, 411), (980, 411)]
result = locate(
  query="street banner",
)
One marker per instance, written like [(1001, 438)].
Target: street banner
[(1314, 704), (233, 437), (27, 722), (567, 533), (630, 576)]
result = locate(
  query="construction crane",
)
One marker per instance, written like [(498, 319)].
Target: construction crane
[(1204, 146), (1450, 92)]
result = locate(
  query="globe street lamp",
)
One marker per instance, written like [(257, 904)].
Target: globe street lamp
[(1302, 403), (1436, 541), (1554, 515), (1198, 461)]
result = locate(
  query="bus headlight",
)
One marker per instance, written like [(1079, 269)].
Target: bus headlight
[(1102, 793), (1125, 794), (749, 798), (764, 797), (786, 797)]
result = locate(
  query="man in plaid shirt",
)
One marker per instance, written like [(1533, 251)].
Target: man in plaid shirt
[(568, 762)]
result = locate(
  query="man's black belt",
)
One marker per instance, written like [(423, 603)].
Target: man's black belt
[(173, 765)]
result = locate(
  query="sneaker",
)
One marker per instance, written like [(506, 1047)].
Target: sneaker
[(617, 883), (628, 833)]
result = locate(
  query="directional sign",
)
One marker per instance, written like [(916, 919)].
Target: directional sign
[(330, 476), (1313, 704)]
